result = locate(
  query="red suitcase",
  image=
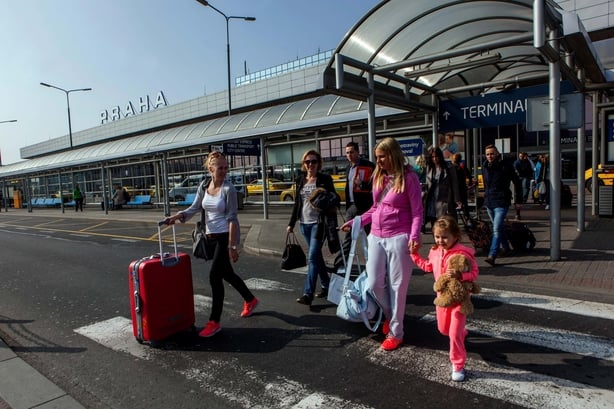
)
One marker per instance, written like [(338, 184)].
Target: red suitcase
[(161, 294)]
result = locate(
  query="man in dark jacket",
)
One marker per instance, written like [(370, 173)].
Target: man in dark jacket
[(497, 175), (524, 169), (358, 196)]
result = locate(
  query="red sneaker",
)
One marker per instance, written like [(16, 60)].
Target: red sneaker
[(249, 307), (210, 329), (391, 343), (386, 327)]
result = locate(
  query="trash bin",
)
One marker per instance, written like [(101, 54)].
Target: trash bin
[(17, 199), (606, 201)]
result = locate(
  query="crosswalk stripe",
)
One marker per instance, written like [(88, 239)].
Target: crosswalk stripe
[(267, 285), (544, 302), (116, 334), (567, 341), (513, 385), (517, 386)]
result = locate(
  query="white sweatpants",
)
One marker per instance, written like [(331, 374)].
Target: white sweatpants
[(389, 269)]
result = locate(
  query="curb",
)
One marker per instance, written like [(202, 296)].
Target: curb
[(23, 387)]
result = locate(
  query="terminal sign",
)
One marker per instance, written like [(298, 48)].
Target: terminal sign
[(490, 110), (145, 104)]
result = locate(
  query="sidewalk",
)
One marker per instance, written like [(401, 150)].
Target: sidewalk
[(585, 272), (585, 269)]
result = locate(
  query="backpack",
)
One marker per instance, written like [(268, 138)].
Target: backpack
[(520, 236)]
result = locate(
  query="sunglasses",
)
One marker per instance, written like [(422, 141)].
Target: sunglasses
[(311, 162)]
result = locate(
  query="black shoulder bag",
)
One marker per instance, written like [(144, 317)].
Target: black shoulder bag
[(201, 246)]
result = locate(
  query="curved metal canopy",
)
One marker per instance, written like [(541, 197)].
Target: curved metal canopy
[(301, 114), (444, 48)]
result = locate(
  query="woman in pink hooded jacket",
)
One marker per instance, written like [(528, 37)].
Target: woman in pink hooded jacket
[(450, 320), (396, 219)]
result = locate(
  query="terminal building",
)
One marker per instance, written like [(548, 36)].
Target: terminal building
[(406, 70)]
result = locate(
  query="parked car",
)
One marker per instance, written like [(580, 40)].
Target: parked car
[(188, 185), (273, 186), (287, 195), (605, 175)]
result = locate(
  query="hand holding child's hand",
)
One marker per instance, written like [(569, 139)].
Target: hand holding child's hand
[(414, 246), (347, 226)]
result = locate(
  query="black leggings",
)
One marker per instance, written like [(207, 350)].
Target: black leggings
[(221, 269)]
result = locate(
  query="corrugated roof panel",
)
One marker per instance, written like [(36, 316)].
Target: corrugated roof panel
[(183, 133), (342, 105), (296, 111), (271, 116), (320, 108), (250, 120), (232, 123)]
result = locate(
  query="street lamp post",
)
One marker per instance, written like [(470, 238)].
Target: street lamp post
[(228, 18), (67, 91), (4, 122)]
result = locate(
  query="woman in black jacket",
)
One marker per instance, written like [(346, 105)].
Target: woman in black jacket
[(442, 195), (312, 222)]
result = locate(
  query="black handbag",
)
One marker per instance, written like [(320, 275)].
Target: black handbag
[(293, 256), (201, 246)]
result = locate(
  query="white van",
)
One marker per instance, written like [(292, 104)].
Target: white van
[(191, 183), (188, 185)]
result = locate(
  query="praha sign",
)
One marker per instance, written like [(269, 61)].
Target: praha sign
[(145, 104)]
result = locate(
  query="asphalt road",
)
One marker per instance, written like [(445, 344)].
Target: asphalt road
[(64, 308)]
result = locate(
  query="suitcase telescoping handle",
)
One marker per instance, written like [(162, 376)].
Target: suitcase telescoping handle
[(160, 224)]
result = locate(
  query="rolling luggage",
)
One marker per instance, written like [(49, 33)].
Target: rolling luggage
[(478, 231), (520, 236), (161, 294)]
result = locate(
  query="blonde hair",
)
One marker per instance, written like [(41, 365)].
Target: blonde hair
[(421, 161), (391, 148), (447, 224), (314, 153), (212, 158)]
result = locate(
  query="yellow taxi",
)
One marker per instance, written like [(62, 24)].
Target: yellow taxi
[(339, 182), (605, 175), (273, 186)]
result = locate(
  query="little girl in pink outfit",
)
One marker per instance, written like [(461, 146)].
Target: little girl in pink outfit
[(450, 321)]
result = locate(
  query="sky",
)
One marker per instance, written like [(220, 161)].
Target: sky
[(128, 49)]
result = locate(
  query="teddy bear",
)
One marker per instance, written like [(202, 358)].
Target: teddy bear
[(451, 290)]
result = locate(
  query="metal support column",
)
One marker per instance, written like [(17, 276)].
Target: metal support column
[(371, 117), (595, 157), (265, 202), (555, 152)]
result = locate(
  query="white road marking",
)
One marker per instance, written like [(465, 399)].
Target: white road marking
[(116, 334), (567, 341), (202, 303), (517, 386), (267, 285), (544, 302), (124, 240), (513, 385), (299, 270)]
